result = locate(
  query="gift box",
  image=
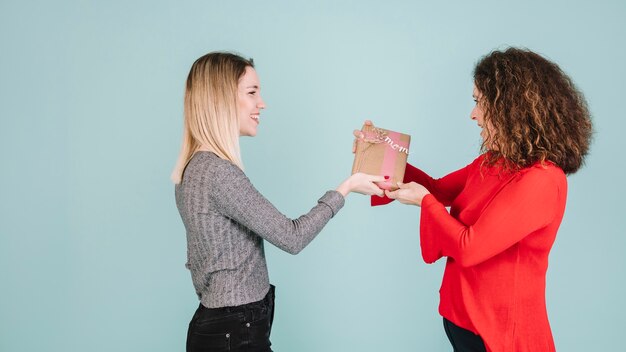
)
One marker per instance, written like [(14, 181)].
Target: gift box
[(382, 152)]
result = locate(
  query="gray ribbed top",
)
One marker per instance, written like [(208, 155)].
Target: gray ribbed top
[(226, 220)]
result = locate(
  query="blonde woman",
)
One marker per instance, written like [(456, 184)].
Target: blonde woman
[(226, 218)]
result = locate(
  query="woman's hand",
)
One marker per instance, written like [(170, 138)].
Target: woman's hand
[(361, 183), (409, 193), (358, 135)]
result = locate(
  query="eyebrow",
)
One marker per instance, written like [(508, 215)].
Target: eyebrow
[(253, 86)]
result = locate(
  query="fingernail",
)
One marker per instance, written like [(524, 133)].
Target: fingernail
[(386, 177)]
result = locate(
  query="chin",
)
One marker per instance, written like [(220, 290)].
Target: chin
[(249, 134)]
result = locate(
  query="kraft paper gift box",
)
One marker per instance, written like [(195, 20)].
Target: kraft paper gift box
[(382, 152)]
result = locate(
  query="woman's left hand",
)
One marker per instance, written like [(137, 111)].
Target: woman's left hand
[(358, 135), (409, 193)]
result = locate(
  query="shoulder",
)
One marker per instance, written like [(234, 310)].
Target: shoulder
[(547, 169), (478, 162), (544, 174), (204, 164)]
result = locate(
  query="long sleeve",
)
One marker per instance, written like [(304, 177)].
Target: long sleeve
[(238, 199), (226, 221), (496, 236), (527, 203), (444, 189)]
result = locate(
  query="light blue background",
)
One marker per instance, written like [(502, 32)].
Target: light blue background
[(92, 249)]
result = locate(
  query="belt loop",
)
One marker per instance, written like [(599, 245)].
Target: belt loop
[(248, 313)]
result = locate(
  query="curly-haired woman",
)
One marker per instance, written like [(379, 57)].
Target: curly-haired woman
[(506, 206)]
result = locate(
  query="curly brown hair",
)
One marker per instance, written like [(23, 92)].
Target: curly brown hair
[(534, 109)]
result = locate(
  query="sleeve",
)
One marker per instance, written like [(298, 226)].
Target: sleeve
[(444, 189), (238, 199), (527, 204)]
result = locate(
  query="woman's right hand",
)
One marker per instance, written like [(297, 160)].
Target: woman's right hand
[(409, 193), (361, 183)]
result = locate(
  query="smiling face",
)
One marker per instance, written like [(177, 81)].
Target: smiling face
[(249, 102), (478, 114)]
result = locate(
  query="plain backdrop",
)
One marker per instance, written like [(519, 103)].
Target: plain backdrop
[(92, 249)]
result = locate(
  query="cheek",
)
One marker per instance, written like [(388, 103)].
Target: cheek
[(479, 113), (243, 102)]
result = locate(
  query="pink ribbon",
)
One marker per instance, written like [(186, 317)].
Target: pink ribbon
[(392, 149), (389, 161)]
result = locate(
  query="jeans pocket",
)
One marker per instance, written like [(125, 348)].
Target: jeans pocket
[(213, 333)]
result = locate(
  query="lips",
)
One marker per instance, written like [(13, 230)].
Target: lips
[(255, 118)]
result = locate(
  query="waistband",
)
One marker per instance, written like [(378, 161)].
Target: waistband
[(266, 301)]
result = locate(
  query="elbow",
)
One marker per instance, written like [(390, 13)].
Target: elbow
[(293, 250), (429, 260), (430, 257)]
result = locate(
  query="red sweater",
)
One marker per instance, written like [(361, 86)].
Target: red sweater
[(496, 237)]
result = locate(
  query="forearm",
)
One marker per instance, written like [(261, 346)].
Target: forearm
[(241, 202), (445, 189), (522, 206), (293, 235), (431, 250)]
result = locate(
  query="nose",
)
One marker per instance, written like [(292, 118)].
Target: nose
[(260, 104), (473, 114)]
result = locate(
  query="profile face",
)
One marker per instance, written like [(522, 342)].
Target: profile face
[(478, 114), (249, 102)]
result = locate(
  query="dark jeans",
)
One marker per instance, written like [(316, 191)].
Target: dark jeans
[(240, 328), (463, 340)]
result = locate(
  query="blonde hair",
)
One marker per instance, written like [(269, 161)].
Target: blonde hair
[(211, 121)]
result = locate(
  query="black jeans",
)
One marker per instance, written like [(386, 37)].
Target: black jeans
[(463, 340), (240, 328)]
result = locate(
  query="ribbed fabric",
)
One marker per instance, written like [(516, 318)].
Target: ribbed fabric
[(226, 220)]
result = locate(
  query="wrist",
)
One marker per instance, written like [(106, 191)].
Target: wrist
[(344, 188), (421, 200)]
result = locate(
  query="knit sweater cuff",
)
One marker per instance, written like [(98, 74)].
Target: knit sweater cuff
[(333, 200)]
